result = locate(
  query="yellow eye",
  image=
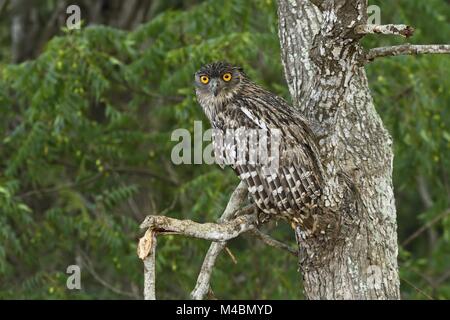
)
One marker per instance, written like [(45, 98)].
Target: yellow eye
[(204, 79), (226, 77)]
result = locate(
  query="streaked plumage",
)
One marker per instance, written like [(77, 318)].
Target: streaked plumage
[(294, 188)]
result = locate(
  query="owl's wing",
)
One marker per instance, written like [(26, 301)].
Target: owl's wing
[(295, 183), (300, 165)]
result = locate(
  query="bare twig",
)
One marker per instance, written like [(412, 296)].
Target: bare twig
[(272, 242), (443, 277), (417, 289), (233, 258), (391, 29), (419, 231), (89, 267), (406, 49)]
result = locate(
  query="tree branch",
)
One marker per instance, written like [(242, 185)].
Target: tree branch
[(88, 264), (149, 264), (207, 231), (406, 49), (225, 230), (202, 286), (273, 242), (390, 29), (426, 226)]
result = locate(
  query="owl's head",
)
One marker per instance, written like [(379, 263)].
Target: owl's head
[(218, 80)]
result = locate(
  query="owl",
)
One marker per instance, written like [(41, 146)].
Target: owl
[(233, 103)]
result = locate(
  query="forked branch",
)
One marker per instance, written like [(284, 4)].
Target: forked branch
[(233, 222), (220, 232)]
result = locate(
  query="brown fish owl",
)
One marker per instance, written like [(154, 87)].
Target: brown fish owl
[(231, 101)]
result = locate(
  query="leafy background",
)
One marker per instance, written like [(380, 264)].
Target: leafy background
[(86, 118)]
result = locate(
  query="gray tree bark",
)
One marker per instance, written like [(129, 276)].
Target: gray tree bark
[(354, 254)]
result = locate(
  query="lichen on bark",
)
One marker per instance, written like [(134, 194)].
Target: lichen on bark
[(321, 53)]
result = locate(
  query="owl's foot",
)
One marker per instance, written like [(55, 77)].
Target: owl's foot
[(249, 209)]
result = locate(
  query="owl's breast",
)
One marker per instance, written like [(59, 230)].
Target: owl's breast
[(233, 117)]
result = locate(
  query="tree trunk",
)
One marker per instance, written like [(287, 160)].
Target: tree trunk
[(30, 32), (354, 254), (19, 16)]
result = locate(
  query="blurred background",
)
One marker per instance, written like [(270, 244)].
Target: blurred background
[(85, 123)]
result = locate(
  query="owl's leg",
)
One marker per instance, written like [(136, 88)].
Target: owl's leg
[(263, 216), (248, 209), (252, 208)]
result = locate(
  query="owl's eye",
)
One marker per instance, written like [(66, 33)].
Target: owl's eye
[(204, 79), (226, 77)]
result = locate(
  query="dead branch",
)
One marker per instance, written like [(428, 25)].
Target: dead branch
[(231, 255), (149, 265), (406, 49), (273, 242), (207, 231), (220, 232), (388, 29), (202, 286), (425, 227), (87, 263)]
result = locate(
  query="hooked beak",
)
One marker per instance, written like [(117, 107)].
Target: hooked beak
[(214, 87)]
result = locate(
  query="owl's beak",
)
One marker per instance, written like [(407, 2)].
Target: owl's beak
[(214, 87)]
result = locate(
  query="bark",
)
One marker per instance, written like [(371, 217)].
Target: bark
[(354, 254)]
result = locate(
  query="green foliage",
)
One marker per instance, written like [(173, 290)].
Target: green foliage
[(85, 153)]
